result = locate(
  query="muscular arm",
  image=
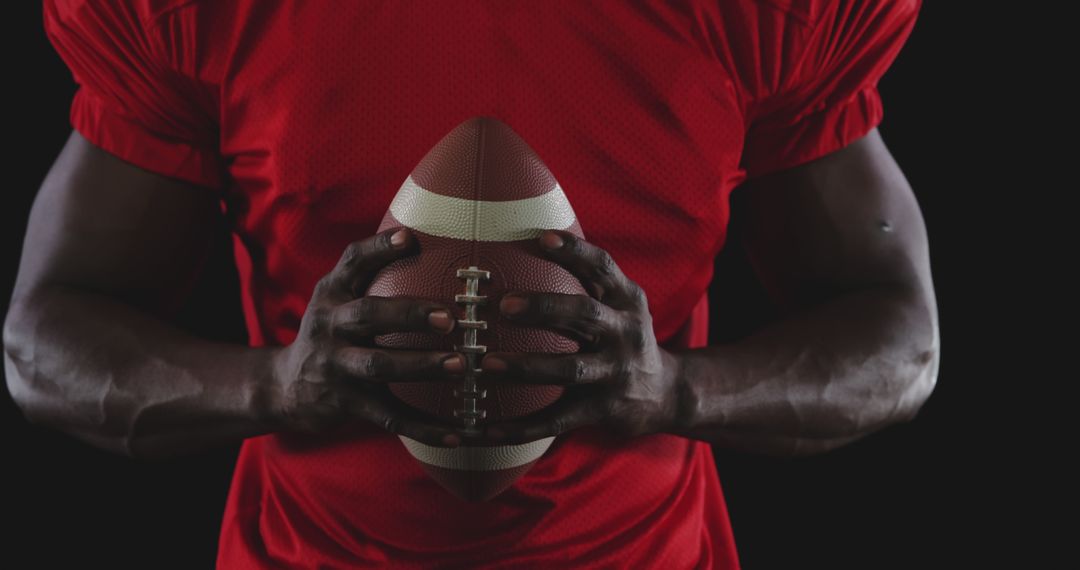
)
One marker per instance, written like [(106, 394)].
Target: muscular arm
[(840, 245), (111, 251)]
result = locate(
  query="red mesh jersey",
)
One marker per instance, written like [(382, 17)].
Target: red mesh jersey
[(305, 117)]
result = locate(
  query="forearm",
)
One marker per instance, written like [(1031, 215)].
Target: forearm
[(125, 381), (814, 380)]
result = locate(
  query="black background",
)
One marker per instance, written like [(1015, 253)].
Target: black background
[(918, 495)]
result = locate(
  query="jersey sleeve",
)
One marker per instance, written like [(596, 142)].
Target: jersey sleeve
[(814, 90), (130, 101)]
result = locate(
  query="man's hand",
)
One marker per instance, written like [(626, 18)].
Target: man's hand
[(620, 378), (333, 372)]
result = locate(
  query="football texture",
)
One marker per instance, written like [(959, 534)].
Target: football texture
[(476, 203)]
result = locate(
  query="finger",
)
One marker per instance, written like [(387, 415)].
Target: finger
[(401, 419), (595, 268), (359, 263), (372, 315), (568, 413), (582, 318), (550, 368), (383, 365)]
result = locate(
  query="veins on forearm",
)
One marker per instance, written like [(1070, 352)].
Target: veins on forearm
[(833, 372)]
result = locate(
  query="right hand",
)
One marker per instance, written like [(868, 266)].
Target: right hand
[(333, 372)]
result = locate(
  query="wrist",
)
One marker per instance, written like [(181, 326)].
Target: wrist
[(264, 376), (685, 408)]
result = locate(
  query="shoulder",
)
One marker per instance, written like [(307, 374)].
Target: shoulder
[(813, 13), (139, 11), (779, 40)]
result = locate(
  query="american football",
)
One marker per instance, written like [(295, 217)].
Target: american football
[(477, 202)]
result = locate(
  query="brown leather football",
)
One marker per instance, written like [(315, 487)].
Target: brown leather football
[(476, 203)]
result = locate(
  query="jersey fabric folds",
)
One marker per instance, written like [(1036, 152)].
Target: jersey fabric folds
[(306, 117)]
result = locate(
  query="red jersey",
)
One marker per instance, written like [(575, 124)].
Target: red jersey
[(306, 117)]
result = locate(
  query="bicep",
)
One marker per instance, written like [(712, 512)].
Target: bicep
[(846, 221), (101, 224)]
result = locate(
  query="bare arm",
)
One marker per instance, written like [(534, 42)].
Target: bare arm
[(111, 251), (841, 247)]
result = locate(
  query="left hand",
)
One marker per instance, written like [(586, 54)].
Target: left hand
[(620, 378)]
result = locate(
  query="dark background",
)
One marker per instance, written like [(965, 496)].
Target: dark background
[(919, 495)]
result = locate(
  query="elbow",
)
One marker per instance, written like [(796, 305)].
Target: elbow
[(903, 406), (19, 391), (923, 367), (18, 364), (918, 391), (37, 400), (33, 395)]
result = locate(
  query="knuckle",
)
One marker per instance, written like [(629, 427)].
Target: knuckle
[(637, 294), (326, 362), (353, 252), (382, 242), (411, 363), (320, 322), (432, 363), (605, 264), (574, 245), (364, 310), (376, 244), (545, 305), (323, 285), (590, 308), (556, 426), (609, 407), (575, 370), (376, 364), (416, 314)]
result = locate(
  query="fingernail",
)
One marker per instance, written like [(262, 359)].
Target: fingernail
[(513, 304), (451, 440), (493, 363), (399, 238), (453, 363), (440, 320), (551, 240)]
